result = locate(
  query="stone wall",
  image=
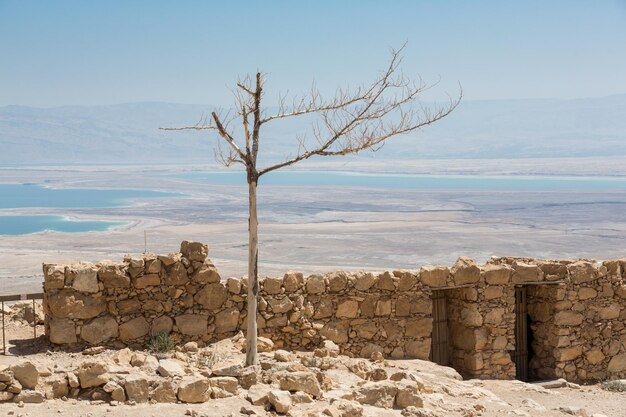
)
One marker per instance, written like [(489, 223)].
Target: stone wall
[(577, 310)]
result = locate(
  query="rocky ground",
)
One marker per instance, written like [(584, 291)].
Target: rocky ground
[(38, 380)]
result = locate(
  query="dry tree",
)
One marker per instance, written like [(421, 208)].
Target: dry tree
[(353, 120)]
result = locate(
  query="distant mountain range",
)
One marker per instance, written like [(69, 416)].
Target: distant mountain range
[(128, 133)]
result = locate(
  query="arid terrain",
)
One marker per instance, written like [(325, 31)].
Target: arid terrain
[(317, 229), (348, 387)]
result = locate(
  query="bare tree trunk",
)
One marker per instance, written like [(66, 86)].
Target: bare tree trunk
[(253, 276)]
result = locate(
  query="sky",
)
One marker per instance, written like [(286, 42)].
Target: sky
[(63, 52)]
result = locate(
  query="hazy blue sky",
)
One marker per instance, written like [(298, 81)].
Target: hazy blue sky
[(85, 52)]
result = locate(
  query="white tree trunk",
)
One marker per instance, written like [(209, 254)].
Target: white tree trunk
[(253, 277)]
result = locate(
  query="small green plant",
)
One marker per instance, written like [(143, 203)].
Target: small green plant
[(160, 343), (618, 385)]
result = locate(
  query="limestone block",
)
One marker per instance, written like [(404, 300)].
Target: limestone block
[(233, 285), (568, 318), (136, 267), (407, 280), (418, 349), (280, 400), (335, 331), (164, 392), (152, 264), (299, 381), (586, 293), (523, 272), (556, 270), (582, 271), (500, 343), (129, 306), (29, 397), (315, 284), (465, 271), (227, 320), (403, 306), (258, 394), (56, 386), (380, 394), (194, 389), (500, 358), (223, 386), (272, 285), (26, 373), (192, 324), (434, 276), (114, 276), (137, 388), (421, 305), (494, 317), (85, 278), (71, 304), (497, 274), (365, 329), (152, 306), (613, 268), (177, 274), (347, 309), (54, 276), (386, 281), (170, 368), (92, 374), (134, 329), (346, 408), (293, 281), (471, 317), (324, 309), (493, 293), (568, 354), (149, 280), (280, 305), (337, 281), (61, 331), (383, 307), (212, 296), (473, 361), (617, 363), (194, 251), (610, 313), (99, 329), (364, 281), (469, 339), (594, 356), (419, 327)]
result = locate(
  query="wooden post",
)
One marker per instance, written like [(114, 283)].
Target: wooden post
[(253, 276), (4, 337)]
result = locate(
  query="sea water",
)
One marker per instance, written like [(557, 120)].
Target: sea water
[(17, 196)]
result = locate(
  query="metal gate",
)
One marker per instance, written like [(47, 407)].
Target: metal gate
[(439, 351), (521, 334)]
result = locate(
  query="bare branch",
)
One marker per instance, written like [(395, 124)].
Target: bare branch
[(351, 123), (227, 137)]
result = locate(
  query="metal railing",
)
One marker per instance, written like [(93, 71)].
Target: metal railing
[(19, 297)]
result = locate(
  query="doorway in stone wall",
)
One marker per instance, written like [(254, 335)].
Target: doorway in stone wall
[(534, 323), (440, 348), (523, 334)]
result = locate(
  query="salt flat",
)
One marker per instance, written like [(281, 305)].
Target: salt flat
[(315, 229)]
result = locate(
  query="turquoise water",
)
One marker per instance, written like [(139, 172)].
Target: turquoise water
[(32, 195), (16, 196), (416, 182), (21, 225)]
